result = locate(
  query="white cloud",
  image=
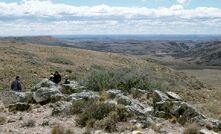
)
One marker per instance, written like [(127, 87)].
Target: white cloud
[(46, 17), (183, 1)]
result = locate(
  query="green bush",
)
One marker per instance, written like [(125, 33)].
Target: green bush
[(108, 123), (102, 115), (96, 111), (60, 60), (79, 106), (34, 62), (123, 79)]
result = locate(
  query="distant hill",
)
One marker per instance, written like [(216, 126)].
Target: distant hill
[(207, 53), (43, 40), (135, 47), (198, 52)]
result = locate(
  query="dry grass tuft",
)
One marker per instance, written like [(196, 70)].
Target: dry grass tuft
[(61, 130), (192, 129)]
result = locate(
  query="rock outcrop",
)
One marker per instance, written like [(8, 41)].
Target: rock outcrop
[(12, 97), (44, 94), (44, 83), (145, 110), (73, 87), (84, 95)]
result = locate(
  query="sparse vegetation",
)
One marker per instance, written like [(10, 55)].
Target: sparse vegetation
[(123, 79), (97, 110), (60, 60), (101, 115), (192, 129), (80, 105), (58, 129), (34, 62), (145, 75)]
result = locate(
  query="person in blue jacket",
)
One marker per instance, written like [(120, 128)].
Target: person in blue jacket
[(16, 84)]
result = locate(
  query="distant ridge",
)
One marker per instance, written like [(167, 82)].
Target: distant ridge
[(44, 40)]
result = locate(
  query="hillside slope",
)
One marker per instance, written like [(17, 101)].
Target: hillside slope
[(207, 53), (35, 61)]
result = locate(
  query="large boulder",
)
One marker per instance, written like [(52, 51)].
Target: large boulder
[(19, 107), (138, 108), (182, 111), (44, 83), (166, 109), (186, 112), (11, 97), (88, 95), (44, 94), (122, 99), (58, 97), (159, 96), (62, 108), (73, 87)]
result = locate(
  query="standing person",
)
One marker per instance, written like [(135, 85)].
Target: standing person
[(57, 77), (16, 84)]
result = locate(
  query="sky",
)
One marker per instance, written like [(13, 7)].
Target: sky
[(70, 17)]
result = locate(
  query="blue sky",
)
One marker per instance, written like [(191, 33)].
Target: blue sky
[(59, 17), (146, 3)]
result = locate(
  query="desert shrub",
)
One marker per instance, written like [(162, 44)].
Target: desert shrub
[(191, 129), (123, 79), (96, 111), (61, 130), (29, 123), (108, 123), (80, 105), (102, 115), (60, 60), (68, 71), (34, 62), (122, 113)]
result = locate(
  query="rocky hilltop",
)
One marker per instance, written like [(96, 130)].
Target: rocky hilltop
[(72, 108)]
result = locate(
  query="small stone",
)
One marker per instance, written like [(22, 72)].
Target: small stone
[(173, 95), (206, 131), (113, 92), (137, 132)]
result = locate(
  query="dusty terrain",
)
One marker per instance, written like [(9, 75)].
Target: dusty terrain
[(35, 61)]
